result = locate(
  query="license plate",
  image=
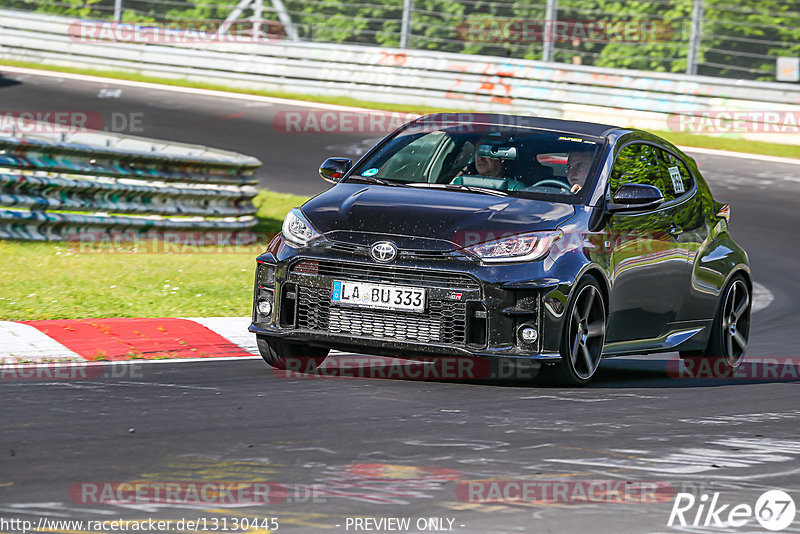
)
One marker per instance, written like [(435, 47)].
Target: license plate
[(379, 296)]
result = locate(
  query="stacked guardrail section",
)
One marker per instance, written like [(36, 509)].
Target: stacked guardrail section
[(67, 186)]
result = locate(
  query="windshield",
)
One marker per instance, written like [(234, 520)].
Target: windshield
[(485, 158)]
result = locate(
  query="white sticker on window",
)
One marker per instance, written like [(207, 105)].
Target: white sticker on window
[(677, 181)]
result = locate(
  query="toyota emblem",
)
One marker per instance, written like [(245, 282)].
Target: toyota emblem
[(383, 251)]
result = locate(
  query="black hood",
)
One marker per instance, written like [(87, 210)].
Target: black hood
[(426, 219)]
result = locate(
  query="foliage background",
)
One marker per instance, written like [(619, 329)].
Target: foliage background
[(740, 39)]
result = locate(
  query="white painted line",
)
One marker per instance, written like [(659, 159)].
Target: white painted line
[(735, 455), (22, 342), (180, 89), (762, 297), (309, 104), (742, 155), (131, 383), (114, 363), (234, 329), (188, 360)]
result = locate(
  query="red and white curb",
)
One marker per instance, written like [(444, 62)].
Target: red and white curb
[(126, 339), (151, 339)]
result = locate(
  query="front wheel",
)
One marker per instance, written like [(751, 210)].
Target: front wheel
[(729, 332), (290, 356), (583, 337)]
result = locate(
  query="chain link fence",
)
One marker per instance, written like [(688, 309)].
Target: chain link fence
[(723, 38)]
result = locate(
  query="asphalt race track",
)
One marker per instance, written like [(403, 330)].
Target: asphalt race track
[(374, 449), (289, 159)]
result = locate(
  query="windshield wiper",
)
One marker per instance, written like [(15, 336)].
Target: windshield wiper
[(461, 187), (374, 180)]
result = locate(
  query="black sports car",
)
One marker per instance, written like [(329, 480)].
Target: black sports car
[(543, 241)]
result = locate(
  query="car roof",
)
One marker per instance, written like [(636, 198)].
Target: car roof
[(543, 123)]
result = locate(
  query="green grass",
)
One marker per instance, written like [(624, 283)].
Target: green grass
[(133, 76), (729, 142), (74, 280), (64, 281), (68, 280), (272, 208)]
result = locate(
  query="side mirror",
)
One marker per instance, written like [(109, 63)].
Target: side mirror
[(333, 169), (635, 197)]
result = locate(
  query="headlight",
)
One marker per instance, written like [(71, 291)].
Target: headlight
[(297, 230), (522, 247)]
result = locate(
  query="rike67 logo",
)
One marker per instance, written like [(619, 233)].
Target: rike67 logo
[(774, 510)]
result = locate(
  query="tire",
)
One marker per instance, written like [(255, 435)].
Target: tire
[(582, 337), (294, 357), (730, 332)]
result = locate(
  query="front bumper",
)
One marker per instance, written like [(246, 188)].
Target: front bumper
[(384, 347), (472, 310)]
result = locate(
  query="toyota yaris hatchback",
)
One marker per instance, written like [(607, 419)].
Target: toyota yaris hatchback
[(505, 237)]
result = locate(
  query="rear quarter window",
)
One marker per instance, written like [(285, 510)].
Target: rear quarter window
[(679, 180)]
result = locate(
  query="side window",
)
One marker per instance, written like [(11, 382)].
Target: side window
[(636, 164), (409, 162), (679, 180)]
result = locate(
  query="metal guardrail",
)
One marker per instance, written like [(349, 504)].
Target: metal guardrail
[(647, 100), (707, 37), (67, 186)]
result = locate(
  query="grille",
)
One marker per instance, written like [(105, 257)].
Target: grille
[(386, 274), (414, 254), (444, 322)]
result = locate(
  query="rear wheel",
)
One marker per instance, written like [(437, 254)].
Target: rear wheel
[(729, 332), (582, 338), (290, 356)]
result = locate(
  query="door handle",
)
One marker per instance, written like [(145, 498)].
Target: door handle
[(675, 231)]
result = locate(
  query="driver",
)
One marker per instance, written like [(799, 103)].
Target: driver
[(578, 164), (490, 167), (483, 165)]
